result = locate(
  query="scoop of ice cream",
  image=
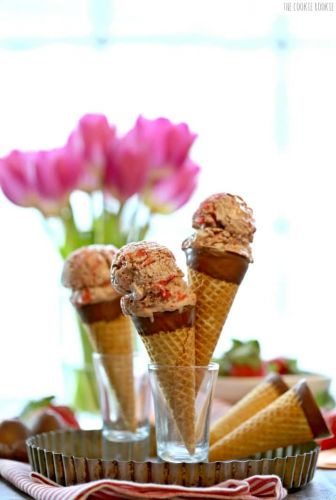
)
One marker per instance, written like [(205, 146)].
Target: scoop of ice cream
[(87, 272), (94, 295), (224, 223), (147, 275)]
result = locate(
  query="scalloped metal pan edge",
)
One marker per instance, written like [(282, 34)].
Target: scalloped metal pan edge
[(74, 457)]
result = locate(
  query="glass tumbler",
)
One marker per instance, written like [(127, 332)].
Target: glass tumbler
[(182, 398), (124, 395)]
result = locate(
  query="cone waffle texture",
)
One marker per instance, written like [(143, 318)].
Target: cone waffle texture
[(115, 338), (281, 423), (176, 348), (257, 399), (214, 301)]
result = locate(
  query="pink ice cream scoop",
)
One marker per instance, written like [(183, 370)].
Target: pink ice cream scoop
[(223, 223), (87, 272), (147, 275)]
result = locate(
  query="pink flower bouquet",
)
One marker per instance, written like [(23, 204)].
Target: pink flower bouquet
[(101, 187)]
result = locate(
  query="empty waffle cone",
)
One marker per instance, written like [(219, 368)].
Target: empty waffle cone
[(214, 278), (258, 398), (293, 418), (110, 333), (170, 341)]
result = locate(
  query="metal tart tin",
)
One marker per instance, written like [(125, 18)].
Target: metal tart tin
[(74, 457)]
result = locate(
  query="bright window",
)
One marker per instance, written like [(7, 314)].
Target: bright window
[(256, 84)]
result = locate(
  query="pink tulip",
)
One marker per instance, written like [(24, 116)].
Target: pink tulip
[(58, 172), (91, 140), (17, 178), (152, 160), (174, 190), (168, 144), (127, 167), (172, 176)]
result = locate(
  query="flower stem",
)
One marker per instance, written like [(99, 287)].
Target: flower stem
[(131, 235), (86, 395), (119, 217)]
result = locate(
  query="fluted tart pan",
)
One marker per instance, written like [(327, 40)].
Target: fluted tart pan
[(75, 456)]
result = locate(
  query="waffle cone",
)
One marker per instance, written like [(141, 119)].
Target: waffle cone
[(293, 418), (174, 347), (114, 337), (214, 301), (258, 398), (214, 277)]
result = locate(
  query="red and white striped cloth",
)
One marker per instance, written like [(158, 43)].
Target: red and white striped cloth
[(41, 488)]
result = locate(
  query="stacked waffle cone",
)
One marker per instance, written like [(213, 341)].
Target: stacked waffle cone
[(258, 398), (292, 418)]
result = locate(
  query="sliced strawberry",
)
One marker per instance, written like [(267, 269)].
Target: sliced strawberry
[(165, 294), (140, 253), (166, 281), (86, 296)]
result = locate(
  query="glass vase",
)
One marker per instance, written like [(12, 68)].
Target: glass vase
[(80, 387)]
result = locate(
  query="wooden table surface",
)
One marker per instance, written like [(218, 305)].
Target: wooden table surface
[(323, 487)]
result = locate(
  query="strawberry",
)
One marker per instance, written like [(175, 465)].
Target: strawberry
[(66, 414), (242, 360), (281, 365), (247, 371), (329, 442), (33, 408)]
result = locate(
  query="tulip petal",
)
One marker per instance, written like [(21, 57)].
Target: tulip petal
[(91, 141), (168, 143), (16, 178), (58, 172), (127, 167), (171, 193)]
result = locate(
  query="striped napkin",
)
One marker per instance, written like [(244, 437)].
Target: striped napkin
[(41, 488)]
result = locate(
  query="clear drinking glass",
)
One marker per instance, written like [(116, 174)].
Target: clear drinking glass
[(124, 394), (182, 402)]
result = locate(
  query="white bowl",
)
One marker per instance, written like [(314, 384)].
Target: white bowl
[(232, 389)]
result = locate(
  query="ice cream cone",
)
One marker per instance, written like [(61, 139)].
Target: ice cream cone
[(258, 398), (218, 255), (170, 341), (110, 334), (162, 307), (293, 418), (87, 273), (215, 286)]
